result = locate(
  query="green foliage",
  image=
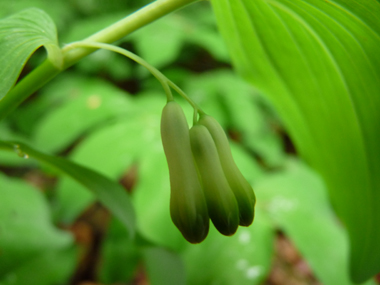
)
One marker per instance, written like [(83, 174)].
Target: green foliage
[(295, 199), (108, 192), (57, 265), (120, 255), (171, 33), (99, 122), (20, 35), (164, 267), (88, 106), (28, 239), (244, 258), (318, 62)]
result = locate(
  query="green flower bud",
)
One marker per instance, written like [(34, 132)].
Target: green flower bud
[(188, 208), (243, 191), (221, 203)]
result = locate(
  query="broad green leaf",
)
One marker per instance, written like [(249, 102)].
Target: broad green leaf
[(90, 103), (244, 258), (120, 255), (164, 266), (61, 12), (246, 163), (51, 267), (318, 62), (296, 200), (160, 44), (203, 31), (268, 145), (247, 116), (50, 98), (211, 41), (239, 99), (72, 198), (121, 143), (111, 194), (20, 35), (26, 230)]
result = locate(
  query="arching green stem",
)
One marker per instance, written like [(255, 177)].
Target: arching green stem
[(155, 72), (46, 71), (165, 82), (183, 94), (197, 109)]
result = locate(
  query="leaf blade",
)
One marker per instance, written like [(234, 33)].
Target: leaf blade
[(20, 35), (318, 62), (26, 230), (111, 194)]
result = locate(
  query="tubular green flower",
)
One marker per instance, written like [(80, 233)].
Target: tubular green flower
[(221, 203), (188, 208), (243, 191)]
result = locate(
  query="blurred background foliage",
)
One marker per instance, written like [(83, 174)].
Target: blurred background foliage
[(104, 113)]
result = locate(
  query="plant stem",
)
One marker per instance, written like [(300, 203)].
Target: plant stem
[(46, 71), (154, 71), (183, 94), (165, 82), (131, 23)]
